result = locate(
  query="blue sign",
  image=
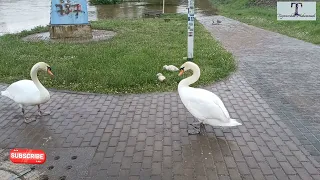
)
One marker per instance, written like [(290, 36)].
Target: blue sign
[(68, 12)]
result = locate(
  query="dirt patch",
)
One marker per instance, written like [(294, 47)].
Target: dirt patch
[(98, 35)]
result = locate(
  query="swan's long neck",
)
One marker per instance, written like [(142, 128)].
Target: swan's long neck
[(34, 77), (192, 79)]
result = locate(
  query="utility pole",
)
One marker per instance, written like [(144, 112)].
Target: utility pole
[(163, 2), (190, 29)]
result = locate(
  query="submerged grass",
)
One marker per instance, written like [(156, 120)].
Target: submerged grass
[(128, 63), (263, 13)]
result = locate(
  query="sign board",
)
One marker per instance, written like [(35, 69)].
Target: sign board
[(296, 11), (68, 12)]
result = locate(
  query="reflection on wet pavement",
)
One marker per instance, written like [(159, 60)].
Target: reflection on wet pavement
[(25, 15), (206, 151)]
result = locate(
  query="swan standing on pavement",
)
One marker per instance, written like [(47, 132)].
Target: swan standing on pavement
[(202, 104), (30, 92)]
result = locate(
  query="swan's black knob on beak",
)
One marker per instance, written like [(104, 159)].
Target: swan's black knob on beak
[(49, 71), (181, 71)]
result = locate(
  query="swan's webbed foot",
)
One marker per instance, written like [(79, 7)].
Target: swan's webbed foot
[(196, 128), (27, 120), (195, 124), (193, 131), (43, 113)]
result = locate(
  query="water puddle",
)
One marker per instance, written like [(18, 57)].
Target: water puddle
[(19, 15)]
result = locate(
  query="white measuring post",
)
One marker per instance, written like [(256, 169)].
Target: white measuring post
[(190, 29), (163, 2)]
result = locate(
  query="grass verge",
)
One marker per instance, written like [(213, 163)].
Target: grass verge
[(265, 16), (126, 64)]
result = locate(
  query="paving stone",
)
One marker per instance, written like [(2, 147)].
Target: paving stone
[(288, 169)]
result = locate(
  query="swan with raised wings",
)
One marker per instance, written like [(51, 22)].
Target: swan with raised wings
[(30, 92), (204, 105)]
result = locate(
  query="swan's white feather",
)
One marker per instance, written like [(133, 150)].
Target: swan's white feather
[(206, 106), (170, 68), (209, 104), (199, 104), (161, 78), (24, 92)]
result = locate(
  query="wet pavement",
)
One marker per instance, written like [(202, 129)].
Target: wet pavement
[(285, 72), (144, 136)]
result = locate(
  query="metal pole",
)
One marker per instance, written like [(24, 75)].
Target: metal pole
[(190, 29), (163, 2)]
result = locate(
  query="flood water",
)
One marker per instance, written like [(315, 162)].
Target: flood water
[(18, 15)]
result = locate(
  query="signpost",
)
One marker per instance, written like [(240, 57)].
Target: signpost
[(190, 29), (163, 2), (69, 19)]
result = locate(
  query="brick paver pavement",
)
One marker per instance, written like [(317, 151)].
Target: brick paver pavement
[(144, 136), (285, 72)]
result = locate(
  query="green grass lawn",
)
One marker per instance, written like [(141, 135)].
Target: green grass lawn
[(126, 64), (266, 17)]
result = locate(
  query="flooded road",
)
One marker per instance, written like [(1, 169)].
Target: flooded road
[(18, 15)]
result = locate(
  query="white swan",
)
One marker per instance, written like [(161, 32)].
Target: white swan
[(202, 104), (30, 93), (170, 68), (161, 77)]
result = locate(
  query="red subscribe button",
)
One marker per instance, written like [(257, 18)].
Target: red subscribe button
[(27, 156)]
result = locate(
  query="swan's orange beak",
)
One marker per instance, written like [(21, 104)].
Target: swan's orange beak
[(181, 72), (49, 72)]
